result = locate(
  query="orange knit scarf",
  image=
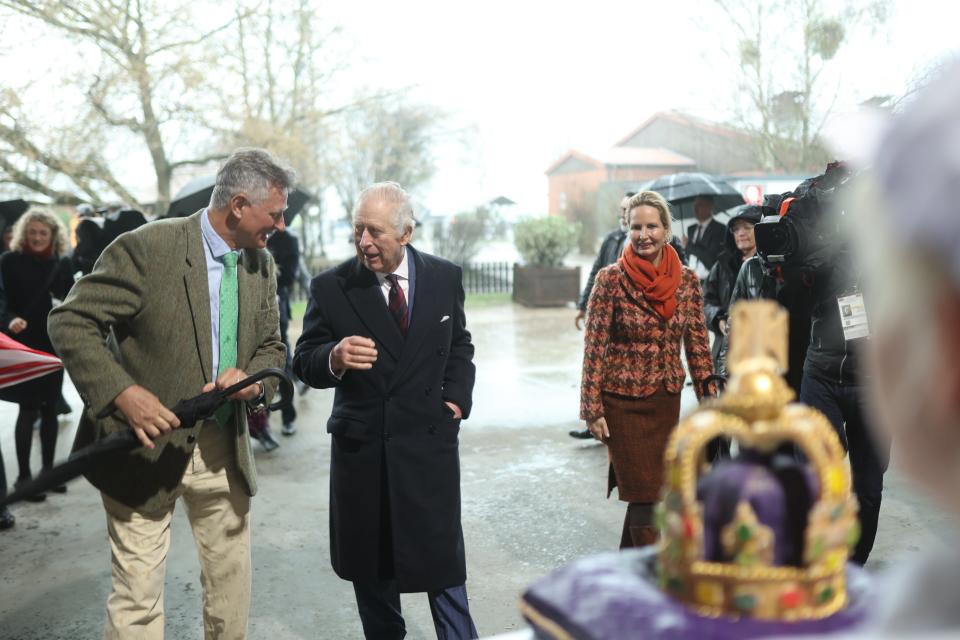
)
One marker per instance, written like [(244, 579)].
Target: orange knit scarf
[(658, 284)]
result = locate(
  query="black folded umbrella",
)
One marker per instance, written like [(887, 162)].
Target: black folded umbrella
[(195, 195), (190, 412)]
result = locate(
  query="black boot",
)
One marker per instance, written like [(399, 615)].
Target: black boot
[(36, 497), (6, 519)]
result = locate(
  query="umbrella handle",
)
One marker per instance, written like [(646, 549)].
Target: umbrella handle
[(223, 394), (279, 374)]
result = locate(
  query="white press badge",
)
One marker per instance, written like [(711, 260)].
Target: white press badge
[(853, 316)]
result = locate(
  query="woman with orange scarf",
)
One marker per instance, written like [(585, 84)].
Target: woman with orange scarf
[(641, 310)]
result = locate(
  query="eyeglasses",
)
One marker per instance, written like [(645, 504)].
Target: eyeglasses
[(743, 226)]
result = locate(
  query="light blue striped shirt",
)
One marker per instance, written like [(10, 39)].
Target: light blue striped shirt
[(214, 248)]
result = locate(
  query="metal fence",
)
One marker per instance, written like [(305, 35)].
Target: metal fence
[(488, 277)]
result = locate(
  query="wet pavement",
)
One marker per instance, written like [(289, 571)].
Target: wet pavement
[(533, 499)]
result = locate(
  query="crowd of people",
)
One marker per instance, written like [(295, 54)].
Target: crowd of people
[(40, 261), (386, 330)]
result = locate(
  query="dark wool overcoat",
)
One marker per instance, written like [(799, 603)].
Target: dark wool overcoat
[(29, 286), (394, 462)]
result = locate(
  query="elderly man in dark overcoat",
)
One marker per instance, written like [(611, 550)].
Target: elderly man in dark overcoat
[(387, 331)]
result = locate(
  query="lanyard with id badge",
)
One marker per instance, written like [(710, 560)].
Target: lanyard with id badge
[(853, 316)]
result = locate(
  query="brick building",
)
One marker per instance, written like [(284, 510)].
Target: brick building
[(668, 142)]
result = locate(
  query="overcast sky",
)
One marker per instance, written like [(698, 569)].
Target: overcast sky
[(526, 81), (535, 79)]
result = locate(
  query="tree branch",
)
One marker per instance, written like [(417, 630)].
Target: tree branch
[(213, 157), (19, 177)]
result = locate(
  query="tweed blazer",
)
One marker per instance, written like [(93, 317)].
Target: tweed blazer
[(143, 317), (631, 351)]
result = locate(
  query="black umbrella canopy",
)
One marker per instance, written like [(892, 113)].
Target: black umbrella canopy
[(680, 189), (11, 210), (195, 195)]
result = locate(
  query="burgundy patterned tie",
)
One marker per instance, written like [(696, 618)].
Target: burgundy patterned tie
[(398, 303)]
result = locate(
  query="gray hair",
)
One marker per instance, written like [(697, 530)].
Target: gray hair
[(253, 172), (389, 193)]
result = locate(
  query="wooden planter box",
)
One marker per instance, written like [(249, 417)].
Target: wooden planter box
[(545, 286)]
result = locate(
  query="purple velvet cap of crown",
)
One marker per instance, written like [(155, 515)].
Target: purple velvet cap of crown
[(612, 596), (778, 488)]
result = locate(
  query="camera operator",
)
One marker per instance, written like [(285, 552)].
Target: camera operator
[(805, 242), (833, 382), (740, 246)]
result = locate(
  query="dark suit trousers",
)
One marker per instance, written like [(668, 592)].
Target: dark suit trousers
[(287, 412), (378, 601), (843, 406), (379, 606)]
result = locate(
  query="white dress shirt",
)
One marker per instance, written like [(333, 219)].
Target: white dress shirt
[(699, 231), (403, 278)]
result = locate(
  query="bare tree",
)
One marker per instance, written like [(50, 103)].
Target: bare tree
[(460, 238), (148, 81), (285, 60), (387, 139), (783, 50)]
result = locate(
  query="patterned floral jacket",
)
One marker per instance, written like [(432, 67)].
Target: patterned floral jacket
[(630, 351)]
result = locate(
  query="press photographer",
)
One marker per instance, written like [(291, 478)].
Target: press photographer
[(805, 258)]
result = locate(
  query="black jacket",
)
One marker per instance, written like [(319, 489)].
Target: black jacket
[(609, 252), (794, 295), (392, 420), (285, 249), (829, 355), (29, 285), (709, 247), (752, 283), (717, 290)]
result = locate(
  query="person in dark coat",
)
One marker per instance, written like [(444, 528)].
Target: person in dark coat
[(118, 222), (754, 282), (285, 249), (89, 243), (610, 250), (387, 331), (740, 246), (705, 238), (34, 273)]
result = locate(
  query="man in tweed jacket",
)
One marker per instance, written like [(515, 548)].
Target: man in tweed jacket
[(142, 332)]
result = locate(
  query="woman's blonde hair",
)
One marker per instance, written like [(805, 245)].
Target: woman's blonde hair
[(655, 200), (58, 233)]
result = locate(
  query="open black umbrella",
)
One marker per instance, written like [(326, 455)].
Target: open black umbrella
[(190, 412), (680, 190), (11, 210), (195, 195)]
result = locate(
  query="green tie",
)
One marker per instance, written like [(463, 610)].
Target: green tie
[(229, 311)]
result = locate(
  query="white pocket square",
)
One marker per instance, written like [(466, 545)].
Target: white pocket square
[(444, 318)]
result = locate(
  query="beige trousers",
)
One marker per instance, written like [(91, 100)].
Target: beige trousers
[(218, 509)]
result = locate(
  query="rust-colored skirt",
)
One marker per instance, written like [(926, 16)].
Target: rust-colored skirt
[(639, 430)]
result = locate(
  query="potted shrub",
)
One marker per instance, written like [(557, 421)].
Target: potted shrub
[(543, 281)]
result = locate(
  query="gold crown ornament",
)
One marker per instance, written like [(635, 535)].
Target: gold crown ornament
[(742, 577)]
